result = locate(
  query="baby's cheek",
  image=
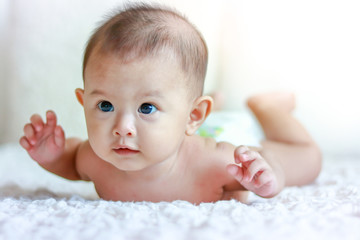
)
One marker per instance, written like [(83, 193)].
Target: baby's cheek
[(98, 140), (160, 144)]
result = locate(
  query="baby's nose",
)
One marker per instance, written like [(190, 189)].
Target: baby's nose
[(123, 134), (124, 127)]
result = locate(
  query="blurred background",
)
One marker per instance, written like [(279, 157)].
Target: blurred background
[(310, 47)]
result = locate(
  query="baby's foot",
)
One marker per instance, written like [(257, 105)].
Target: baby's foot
[(279, 100), (254, 173)]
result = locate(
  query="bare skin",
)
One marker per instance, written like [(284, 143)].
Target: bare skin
[(204, 171)]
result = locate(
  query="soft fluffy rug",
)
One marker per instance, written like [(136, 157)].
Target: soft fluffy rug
[(35, 204)]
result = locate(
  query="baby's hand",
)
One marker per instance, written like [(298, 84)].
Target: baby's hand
[(253, 172), (43, 141)]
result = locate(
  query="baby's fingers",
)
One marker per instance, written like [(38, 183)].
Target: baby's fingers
[(50, 119), (59, 137), (243, 154), (263, 178), (235, 171), (29, 133), (255, 168), (37, 122), (25, 143), (265, 184)]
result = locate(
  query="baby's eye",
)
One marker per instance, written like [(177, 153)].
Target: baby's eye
[(106, 106), (147, 108)]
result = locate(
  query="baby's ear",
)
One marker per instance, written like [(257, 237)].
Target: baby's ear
[(80, 95), (201, 109)]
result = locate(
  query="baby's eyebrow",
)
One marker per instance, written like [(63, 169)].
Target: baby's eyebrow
[(97, 92), (153, 94)]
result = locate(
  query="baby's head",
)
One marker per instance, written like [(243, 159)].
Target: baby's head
[(141, 31), (143, 71)]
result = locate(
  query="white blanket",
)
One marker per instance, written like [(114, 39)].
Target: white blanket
[(35, 204)]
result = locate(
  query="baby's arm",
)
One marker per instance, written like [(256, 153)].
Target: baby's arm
[(46, 144)]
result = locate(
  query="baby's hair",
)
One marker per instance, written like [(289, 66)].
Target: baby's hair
[(140, 30)]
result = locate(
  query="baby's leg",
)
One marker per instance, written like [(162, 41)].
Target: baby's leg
[(288, 148)]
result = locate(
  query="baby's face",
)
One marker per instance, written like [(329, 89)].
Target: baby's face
[(136, 113)]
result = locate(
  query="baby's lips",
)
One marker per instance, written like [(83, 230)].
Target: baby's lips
[(123, 146), (126, 151)]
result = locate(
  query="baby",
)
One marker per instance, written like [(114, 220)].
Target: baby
[(144, 71)]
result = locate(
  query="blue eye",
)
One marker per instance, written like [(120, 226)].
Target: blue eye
[(106, 106), (147, 108)]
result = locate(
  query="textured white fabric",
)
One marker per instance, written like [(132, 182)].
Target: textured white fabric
[(35, 204)]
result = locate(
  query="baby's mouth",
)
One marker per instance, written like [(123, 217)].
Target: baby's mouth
[(125, 151)]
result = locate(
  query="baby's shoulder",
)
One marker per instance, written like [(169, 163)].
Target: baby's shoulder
[(85, 151), (218, 149), (87, 161), (211, 151), (225, 148), (211, 164)]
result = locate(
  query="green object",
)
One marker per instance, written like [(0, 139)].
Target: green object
[(210, 131)]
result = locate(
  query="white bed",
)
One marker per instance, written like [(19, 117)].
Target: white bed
[(35, 204)]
